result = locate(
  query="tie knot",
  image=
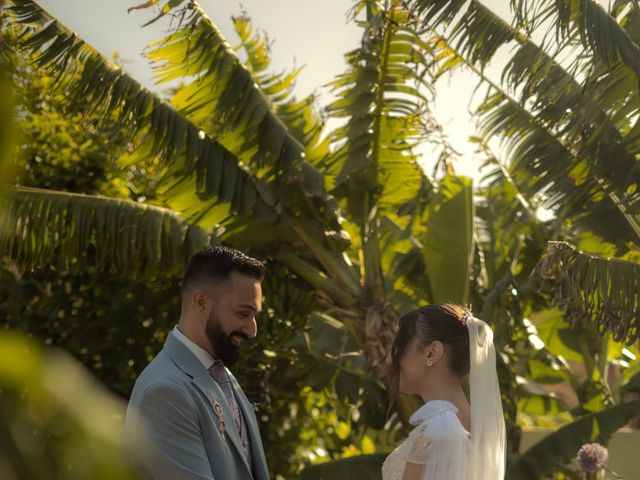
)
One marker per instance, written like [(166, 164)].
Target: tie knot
[(217, 363), (218, 371)]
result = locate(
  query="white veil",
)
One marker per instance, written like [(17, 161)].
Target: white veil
[(488, 434)]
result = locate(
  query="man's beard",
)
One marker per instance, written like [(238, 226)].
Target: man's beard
[(224, 349)]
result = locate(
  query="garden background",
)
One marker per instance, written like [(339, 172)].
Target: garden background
[(356, 201)]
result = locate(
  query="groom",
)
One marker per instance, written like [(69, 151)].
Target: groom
[(198, 423)]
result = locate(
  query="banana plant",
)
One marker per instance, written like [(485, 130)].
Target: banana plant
[(351, 212), (189, 155), (371, 171), (76, 231), (565, 149), (236, 167), (569, 142)]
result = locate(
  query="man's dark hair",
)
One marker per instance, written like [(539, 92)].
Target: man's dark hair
[(217, 263)]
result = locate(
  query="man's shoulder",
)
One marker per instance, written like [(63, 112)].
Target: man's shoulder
[(161, 371)]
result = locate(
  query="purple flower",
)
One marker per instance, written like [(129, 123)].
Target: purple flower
[(592, 457)]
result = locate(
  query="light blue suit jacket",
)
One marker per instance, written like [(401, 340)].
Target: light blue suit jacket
[(172, 403)]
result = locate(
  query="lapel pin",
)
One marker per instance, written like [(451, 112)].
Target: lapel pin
[(221, 427)]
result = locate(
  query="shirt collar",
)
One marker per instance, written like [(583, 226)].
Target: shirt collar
[(201, 354)]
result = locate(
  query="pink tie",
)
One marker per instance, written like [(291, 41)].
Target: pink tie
[(219, 373)]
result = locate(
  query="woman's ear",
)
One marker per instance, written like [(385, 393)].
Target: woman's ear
[(434, 352)]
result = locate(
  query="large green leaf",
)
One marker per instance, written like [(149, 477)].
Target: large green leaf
[(556, 333), (381, 104), (477, 33), (593, 288), (383, 97), (555, 451), (362, 466), (194, 162), (584, 118), (253, 114), (545, 165), (534, 400), (224, 99), (40, 228), (587, 21), (448, 240), (300, 116)]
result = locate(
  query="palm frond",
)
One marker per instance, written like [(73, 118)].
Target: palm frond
[(43, 228), (546, 164), (547, 169), (225, 100), (593, 116), (599, 113), (593, 288), (383, 99), (518, 204), (301, 117), (476, 35), (157, 128), (589, 22)]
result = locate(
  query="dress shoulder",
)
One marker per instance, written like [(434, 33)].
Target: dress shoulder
[(437, 425)]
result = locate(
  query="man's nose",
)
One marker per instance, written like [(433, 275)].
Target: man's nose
[(251, 330)]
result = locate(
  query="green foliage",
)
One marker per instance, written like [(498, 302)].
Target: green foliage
[(248, 128), (609, 291), (194, 162), (366, 466), (7, 129), (55, 421), (381, 97), (79, 231), (299, 116), (233, 155), (558, 449), (448, 246), (113, 326)]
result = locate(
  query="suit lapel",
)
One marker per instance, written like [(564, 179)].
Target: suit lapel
[(191, 366)]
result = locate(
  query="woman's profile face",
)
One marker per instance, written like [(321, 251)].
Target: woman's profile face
[(412, 368)]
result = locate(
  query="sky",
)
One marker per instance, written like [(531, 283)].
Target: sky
[(307, 33)]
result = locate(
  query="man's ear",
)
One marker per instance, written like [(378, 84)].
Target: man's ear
[(200, 299)]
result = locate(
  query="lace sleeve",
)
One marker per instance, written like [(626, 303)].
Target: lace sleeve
[(442, 446)]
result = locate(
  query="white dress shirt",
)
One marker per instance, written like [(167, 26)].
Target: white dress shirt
[(201, 354)]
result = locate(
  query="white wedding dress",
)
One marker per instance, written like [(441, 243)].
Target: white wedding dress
[(439, 441)]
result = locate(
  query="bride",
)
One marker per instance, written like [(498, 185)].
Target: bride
[(435, 348)]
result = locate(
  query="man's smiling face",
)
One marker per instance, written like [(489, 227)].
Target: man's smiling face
[(232, 319)]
